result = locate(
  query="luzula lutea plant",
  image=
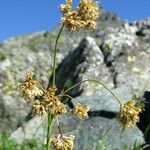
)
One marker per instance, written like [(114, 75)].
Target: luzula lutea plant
[(48, 101)]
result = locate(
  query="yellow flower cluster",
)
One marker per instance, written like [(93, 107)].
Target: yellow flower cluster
[(38, 108), (43, 101), (81, 111), (82, 18), (129, 114), (53, 103), (47, 100), (63, 143), (29, 87)]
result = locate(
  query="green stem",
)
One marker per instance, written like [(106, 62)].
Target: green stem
[(116, 97), (50, 117), (55, 52), (49, 123)]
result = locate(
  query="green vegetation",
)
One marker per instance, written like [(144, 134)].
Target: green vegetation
[(2, 56), (8, 144)]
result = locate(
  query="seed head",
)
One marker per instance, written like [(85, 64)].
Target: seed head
[(81, 111), (84, 17), (63, 143), (50, 97), (38, 108), (129, 114), (88, 10), (29, 88), (58, 108), (52, 102)]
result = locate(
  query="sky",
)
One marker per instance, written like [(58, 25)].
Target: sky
[(26, 16)]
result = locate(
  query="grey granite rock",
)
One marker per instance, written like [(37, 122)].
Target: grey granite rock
[(85, 62), (127, 56), (93, 130), (13, 112)]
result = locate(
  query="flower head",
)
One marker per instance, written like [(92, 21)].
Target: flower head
[(84, 17), (52, 91), (52, 102), (38, 108), (63, 143), (88, 10), (72, 21), (50, 97), (81, 111), (58, 108), (29, 88), (129, 114)]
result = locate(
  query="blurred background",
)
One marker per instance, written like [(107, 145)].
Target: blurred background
[(27, 16)]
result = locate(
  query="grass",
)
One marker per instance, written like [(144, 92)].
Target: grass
[(8, 144)]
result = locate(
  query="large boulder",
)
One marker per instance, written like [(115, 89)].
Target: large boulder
[(85, 62), (127, 56)]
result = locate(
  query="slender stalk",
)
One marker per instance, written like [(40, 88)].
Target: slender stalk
[(49, 122), (44, 90), (116, 97), (55, 52), (50, 117), (48, 129), (70, 97)]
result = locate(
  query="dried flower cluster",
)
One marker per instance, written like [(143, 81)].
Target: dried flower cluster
[(53, 103), (63, 143), (48, 100), (38, 108), (81, 111), (82, 18), (29, 87), (129, 114)]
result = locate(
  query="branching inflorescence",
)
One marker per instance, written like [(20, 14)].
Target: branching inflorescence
[(48, 101)]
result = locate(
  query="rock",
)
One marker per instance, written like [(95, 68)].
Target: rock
[(13, 71), (85, 62), (13, 112), (37, 127), (91, 131), (126, 57)]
